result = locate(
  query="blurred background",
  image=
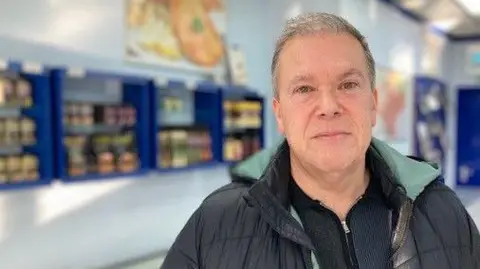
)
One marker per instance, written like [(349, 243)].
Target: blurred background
[(117, 117)]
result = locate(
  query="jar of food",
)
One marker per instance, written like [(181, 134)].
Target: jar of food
[(14, 168), (86, 114), (23, 90), (30, 167), (228, 150), (8, 91), (165, 145), (3, 171), (256, 114), (27, 131), (12, 127), (75, 115)]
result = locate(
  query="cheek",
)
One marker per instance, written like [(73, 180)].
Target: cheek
[(363, 115), (294, 119)]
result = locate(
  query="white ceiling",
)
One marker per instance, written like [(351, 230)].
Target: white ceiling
[(447, 15)]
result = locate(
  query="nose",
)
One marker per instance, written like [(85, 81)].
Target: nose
[(328, 105)]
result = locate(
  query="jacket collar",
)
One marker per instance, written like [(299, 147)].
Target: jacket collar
[(271, 195)]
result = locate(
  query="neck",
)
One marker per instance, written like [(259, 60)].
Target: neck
[(338, 190)]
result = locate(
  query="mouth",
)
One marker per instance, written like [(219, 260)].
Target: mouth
[(332, 134)]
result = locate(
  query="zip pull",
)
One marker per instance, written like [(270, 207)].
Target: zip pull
[(345, 227)]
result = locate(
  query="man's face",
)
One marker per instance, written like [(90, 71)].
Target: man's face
[(325, 106)]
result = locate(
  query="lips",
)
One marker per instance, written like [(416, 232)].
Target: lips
[(331, 134)]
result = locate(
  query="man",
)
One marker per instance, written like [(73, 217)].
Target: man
[(330, 196)]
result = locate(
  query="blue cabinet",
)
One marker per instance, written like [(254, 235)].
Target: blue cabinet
[(185, 131), (101, 125), (26, 156), (242, 123)]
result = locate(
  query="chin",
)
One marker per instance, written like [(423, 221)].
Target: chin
[(333, 163), (332, 158)]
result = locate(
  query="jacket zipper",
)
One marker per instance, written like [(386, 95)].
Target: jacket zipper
[(349, 244), (348, 236)]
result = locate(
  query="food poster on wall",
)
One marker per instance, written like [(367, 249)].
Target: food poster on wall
[(394, 118), (185, 34)]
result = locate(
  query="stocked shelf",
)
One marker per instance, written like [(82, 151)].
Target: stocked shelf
[(25, 118), (101, 125), (180, 147), (76, 126), (183, 138), (241, 124)]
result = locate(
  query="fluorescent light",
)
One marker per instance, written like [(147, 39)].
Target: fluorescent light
[(414, 4), (471, 6), (446, 24)]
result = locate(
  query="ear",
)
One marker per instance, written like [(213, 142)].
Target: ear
[(278, 114), (374, 106)]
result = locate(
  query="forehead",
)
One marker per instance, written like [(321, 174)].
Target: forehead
[(324, 54)]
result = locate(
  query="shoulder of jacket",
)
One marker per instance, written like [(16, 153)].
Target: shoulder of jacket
[(438, 201), (218, 216), (437, 189), (437, 192), (225, 196)]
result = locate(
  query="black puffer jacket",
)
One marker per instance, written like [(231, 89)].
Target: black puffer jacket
[(249, 224)]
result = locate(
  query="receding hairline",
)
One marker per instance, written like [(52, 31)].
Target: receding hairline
[(311, 24), (328, 32)]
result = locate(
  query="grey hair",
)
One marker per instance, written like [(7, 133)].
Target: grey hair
[(317, 23)]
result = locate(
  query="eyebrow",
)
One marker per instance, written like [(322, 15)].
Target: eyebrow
[(301, 78), (310, 78), (351, 72)]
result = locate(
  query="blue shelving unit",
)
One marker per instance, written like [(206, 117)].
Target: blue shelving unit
[(208, 111), (40, 113), (100, 88), (199, 111), (236, 94)]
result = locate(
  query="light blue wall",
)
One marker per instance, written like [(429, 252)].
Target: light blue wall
[(52, 35), (98, 223)]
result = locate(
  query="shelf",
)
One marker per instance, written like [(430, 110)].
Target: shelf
[(186, 127), (91, 177), (93, 129), (234, 130), (236, 92), (190, 167), (17, 149), (92, 101), (18, 111), (10, 111), (102, 88), (23, 184), (40, 113)]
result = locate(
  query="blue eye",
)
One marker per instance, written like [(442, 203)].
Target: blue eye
[(303, 89), (350, 85)]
